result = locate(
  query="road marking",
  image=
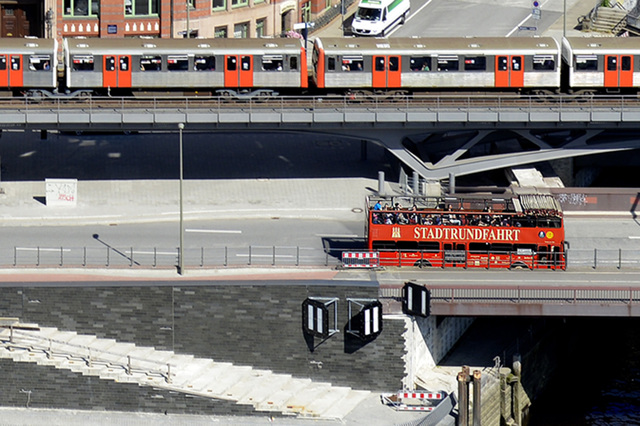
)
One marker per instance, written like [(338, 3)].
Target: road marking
[(633, 237), (215, 231), (337, 235), (409, 17), (40, 249), (162, 253)]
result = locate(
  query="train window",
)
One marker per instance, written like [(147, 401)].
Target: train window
[(293, 63), (246, 63), (177, 63), (205, 63), (420, 63), (626, 63), (15, 63), (394, 63), (232, 63), (448, 63), (612, 63), (150, 63), (586, 63), (475, 63), (40, 62), (380, 62), (272, 63), (331, 64), (353, 63), (124, 63), (503, 63), (82, 62), (544, 63), (109, 63), (3, 62)]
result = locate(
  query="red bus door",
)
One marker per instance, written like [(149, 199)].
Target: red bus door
[(116, 71), (15, 71), (238, 71), (4, 72), (386, 71), (509, 71), (618, 71)]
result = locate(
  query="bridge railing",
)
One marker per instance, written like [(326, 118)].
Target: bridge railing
[(254, 255), (450, 102)]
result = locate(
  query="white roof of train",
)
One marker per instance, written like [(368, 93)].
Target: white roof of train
[(142, 46), (28, 45), (470, 45)]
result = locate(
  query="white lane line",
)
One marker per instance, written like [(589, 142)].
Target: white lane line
[(265, 255), (215, 231), (337, 235), (41, 249), (633, 237), (161, 253)]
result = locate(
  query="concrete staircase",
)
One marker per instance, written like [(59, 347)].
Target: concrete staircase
[(146, 366), (607, 20)]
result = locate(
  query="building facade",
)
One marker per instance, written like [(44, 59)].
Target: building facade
[(155, 18)]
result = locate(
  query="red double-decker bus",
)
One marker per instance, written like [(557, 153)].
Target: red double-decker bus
[(515, 231)]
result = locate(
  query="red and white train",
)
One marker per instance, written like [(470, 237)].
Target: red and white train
[(263, 67)]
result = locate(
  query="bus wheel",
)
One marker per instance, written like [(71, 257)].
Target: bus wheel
[(422, 264), (519, 265)]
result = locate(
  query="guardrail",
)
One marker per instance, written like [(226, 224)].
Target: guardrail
[(281, 256), (153, 257)]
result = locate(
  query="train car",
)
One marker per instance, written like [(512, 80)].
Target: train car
[(28, 64), (595, 64), (233, 67), (528, 64)]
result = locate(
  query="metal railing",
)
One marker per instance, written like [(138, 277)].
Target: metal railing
[(296, 256), (154, 257)]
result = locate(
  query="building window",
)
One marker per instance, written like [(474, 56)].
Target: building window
[(260, 25), (306, 12), (239, 3), (219, 5), (220, 32), (141, 7), (241, 30), (81, 7)]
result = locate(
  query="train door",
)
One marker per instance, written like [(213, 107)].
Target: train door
[(15, 71), (618, 71), (116, 71), (238, 71), (4, 72), (509, 71), (386, 71)]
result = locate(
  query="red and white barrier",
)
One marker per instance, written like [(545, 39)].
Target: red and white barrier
[(353, 259)]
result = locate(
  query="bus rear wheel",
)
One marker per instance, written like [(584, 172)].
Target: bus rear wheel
[(519, 265), (422, 264)]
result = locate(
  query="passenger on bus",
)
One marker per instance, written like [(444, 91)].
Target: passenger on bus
[(388, 220), (377, 206), (402, 219), (376, 219)]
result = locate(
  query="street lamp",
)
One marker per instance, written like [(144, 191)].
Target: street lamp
[(181, 248)]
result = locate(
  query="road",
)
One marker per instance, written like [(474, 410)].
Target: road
[(480, 18)]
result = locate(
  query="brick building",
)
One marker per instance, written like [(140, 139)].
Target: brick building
[(155, 18)]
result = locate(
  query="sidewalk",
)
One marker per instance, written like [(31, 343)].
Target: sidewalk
[(137, 201)]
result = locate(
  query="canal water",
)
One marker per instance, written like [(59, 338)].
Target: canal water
[(598, 382)]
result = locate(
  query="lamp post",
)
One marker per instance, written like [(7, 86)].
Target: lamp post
[(181, 248), (188, 7)]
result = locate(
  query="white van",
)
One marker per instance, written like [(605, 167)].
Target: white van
[(376, 17)]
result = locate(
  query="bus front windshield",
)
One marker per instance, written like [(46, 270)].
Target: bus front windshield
[(368, 14)]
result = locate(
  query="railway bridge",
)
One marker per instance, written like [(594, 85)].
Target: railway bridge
[(435, 136)]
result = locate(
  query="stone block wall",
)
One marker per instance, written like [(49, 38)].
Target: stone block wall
[(255, 324)]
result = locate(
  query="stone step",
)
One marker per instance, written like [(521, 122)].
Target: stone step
[(277, 401), (323, 402), (301, 399), (341, 408), (272, 384)]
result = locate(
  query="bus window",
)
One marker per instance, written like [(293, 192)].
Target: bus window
[(479, 247), (501, 248), (383, 245), (429, 246), (407, 245)]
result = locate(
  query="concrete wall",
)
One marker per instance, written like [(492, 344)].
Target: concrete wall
[(244, 323)]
